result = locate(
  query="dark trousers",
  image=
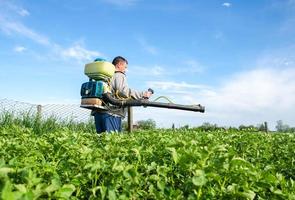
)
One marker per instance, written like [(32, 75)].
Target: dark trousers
[(107, 123)]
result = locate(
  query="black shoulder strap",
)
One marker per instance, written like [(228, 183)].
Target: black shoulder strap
[(120, 72)]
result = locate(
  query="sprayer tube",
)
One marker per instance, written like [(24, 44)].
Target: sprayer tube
[(144, 102)]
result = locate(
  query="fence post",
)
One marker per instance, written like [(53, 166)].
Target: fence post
[(130, 119), (39, 111), (265, 127)]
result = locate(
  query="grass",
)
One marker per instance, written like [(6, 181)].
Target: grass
[(42, 126)]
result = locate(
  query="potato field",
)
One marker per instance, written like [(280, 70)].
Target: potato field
[(48, 160)]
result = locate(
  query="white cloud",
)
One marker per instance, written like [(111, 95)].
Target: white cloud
[(19, 49), (147, 47), (256, 96), (190, 66), (76, 52), (14, 27), (7, 7), (280, 58), (155, 70), (23, 12), (259, 89), (265, 93), (10, 25), (79, 53), (227, 4), (121, 2), (168, 85)]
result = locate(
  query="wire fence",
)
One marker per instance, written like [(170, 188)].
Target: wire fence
[(62, 112)]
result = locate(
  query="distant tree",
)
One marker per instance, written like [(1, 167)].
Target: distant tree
[(206, 126), (242, 127), (262, 127), (292, 130), (185, 127), (281, 127), (232, 128), (147, 124)]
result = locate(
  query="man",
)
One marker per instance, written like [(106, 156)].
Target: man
[(112, 119)]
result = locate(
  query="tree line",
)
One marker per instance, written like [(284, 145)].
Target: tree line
[(150, 124)]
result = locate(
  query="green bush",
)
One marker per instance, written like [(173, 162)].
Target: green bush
[(148, 124)]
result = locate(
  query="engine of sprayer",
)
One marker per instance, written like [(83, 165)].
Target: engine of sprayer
[(99, 73)]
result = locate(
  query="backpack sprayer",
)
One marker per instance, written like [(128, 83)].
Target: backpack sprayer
[(96, 94)]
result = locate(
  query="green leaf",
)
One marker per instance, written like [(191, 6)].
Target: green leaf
[(154, 177), (55, 185), (118, 166), (5, 170), (103, 191), (199, 178), (30, 195), (137, 153), (21, 187), (7, 191), (8, 194), (66, 191), (174, 154), (249, 194), (161, 185), (232, 188), (278, 192), (112, 194), (152, 166)]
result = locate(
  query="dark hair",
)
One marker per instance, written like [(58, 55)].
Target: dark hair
[(119, 59)]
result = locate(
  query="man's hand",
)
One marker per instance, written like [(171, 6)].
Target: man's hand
[(147, 94)]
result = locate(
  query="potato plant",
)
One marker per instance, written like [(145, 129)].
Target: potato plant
[(68, 163)]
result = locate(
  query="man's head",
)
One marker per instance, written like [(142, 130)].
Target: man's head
[(120, 64)]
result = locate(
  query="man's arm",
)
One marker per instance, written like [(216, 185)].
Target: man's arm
[(120, 84)]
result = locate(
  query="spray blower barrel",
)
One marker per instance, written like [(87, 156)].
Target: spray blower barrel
[(146, 103)]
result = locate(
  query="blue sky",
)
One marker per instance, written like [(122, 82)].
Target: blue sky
[(235, 57)]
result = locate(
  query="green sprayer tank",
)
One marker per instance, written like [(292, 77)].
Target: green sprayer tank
[(99, 70)]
